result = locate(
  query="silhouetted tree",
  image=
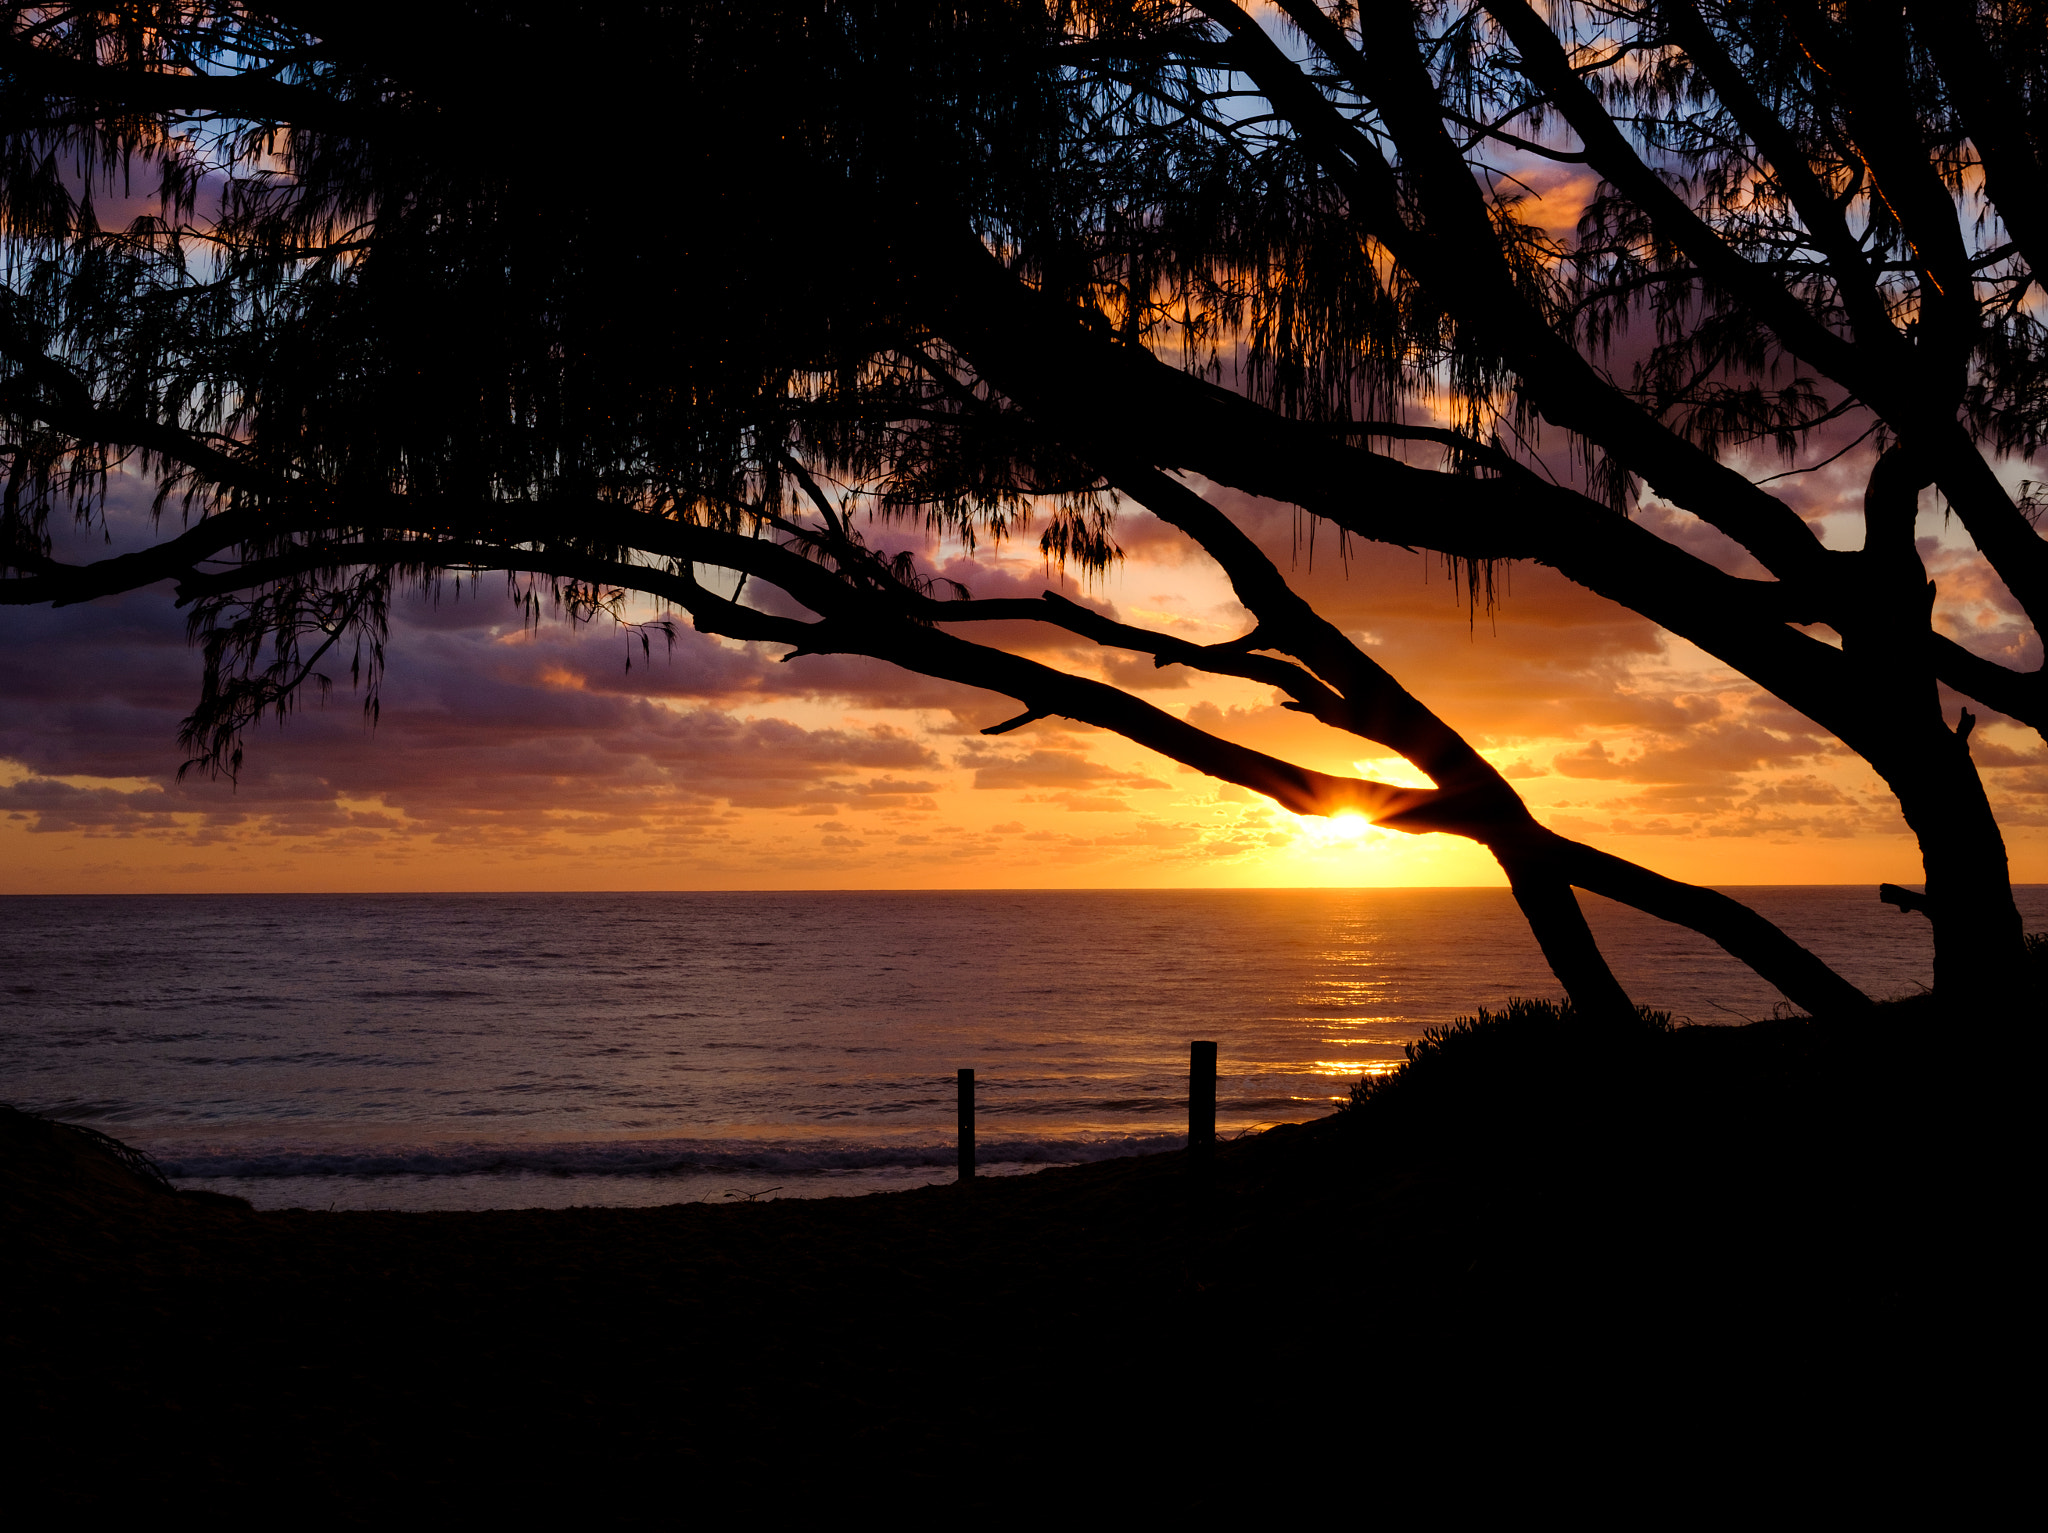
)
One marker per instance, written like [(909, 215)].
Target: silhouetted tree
[(609, 296)]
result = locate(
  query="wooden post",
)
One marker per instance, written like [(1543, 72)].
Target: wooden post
[(1201, 1096), (966, 1125)]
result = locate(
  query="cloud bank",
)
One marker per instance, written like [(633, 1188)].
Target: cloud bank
[(560, 756)]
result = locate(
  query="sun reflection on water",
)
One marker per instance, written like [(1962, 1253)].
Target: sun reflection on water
[(1355, 1022)]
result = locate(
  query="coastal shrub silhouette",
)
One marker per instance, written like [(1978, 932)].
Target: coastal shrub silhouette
[(1526, 1041), (46, 1155), (1533, 1047), (30, 1135), (1538, 1090)]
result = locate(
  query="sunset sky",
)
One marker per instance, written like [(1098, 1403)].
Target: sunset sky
[(514, 758), (509, 758)]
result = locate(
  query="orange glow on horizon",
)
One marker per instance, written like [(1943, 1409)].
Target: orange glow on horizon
[(509, 758)]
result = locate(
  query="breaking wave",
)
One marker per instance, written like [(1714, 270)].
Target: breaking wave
[(634, 1158)]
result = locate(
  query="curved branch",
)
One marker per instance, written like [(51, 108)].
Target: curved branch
[(1804, 979), (1461, 264), (1991, 108), (1616, 159), (893, 625), (1086, 388), (246, 97), (855, 626)]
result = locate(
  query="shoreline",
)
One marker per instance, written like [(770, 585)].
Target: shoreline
[(402, 1192), (1710, 1237), (640, 1172)]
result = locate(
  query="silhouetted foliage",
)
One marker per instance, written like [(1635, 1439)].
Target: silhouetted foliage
[(606, 297), (1526, 1040), (1491, 1086)]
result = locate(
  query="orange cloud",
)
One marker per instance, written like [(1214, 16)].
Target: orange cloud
[(509, 758)]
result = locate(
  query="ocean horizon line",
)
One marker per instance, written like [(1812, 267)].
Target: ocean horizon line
[(439, 1049), (123, 894)]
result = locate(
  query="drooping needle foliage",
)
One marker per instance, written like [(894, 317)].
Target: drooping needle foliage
[(613, 297)]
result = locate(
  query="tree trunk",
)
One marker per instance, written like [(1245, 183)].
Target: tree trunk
[(1979, 943)]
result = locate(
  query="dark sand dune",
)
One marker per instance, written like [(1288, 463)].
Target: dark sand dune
[(1726, 1261)]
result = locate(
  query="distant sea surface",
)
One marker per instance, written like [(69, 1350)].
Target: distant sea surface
[(458, 1051)]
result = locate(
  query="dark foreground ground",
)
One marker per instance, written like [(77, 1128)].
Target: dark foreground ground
[(1758, 1268)]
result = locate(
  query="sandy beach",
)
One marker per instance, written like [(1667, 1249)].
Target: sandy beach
[(1720, 1237)]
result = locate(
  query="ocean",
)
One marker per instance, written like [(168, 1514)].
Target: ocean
[(540, 1050)]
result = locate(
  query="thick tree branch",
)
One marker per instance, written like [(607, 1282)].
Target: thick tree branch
[(857, 625), (1610, 153), (1077, 384), (1991, 106), (892, 624), (1853, 274), (247, 97), (1459, 259)]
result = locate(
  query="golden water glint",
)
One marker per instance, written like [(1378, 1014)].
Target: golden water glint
[(1354, 1067), (1371, 989)]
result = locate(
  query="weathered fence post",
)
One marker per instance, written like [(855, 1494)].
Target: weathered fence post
[(966, 1125), (1201, 1097)]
